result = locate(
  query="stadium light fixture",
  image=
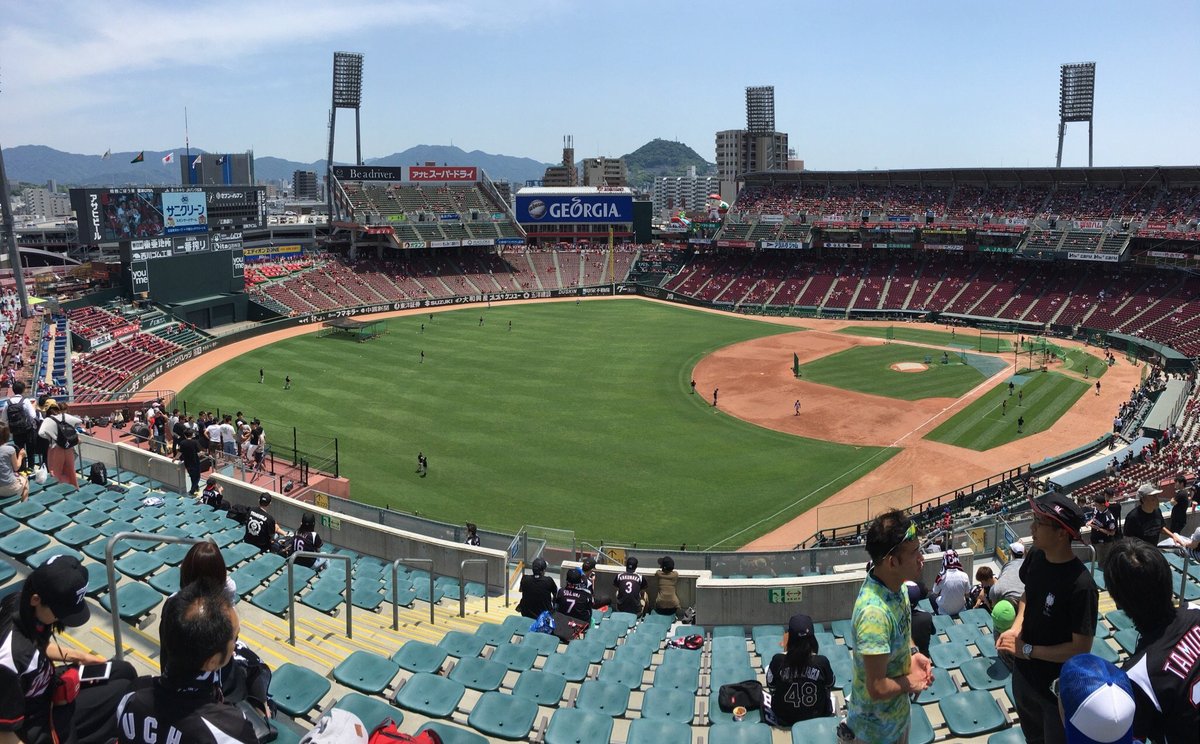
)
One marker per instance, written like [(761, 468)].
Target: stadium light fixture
[(347, 93), (1076, 101)]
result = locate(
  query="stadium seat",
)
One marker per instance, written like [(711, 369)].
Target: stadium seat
[(273, 599), (587, 648), (690, 658), (8, 524), (626, 673), (166, 582), (77, 535), (97, 579), (68, 507), (1119, 620), (135, 601), (479, 674), (296, 690), (600, 696), (460, 644), (1101, 648), (570, 668), (658, 731), (322, 599), (943, 686), (541, 687), (740, 733), (669, 703), (815, 729), (982, 673), (986, 645), (1127, 639), (608, 635), (451, 734), (503, 716), (545, 643), (371, 711), (518, 624), (493, 634), (637, 654), (517, 657), (430, 695), (948, 655), (963, 633), (366, 672), (677, 677), (627, 619), (920, 730), (727, 674), (42, 556), (1008, 736), (971, 713), (23, 542), (575, 726), (139, 565)]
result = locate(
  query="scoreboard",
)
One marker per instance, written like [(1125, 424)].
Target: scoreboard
[(112, 216), (182, 268)]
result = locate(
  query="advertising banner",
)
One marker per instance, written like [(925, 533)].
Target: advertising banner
[(417, 244), (771, 218), (449, 217), (444, 243), (735, 243), (479, 241), (1170, 254), (184, 212), (1090, 224), (368, 173), (510, 241), (834, 218), (839, 244), (441, 174), (189, 244), (785, 245), (952, 247), (899, 218), (225, 241), (140, 277), (1100, 257), (997, 249), (238, 263), (584, 208), (397, 218)]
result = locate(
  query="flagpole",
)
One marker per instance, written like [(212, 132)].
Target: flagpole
[(187, 146), (612, 274)]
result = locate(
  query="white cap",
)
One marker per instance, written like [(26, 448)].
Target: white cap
[(1016, 548)]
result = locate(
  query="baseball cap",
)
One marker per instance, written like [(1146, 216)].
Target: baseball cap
[(1063, 510), (264, 500), (574, 576), (1016, 548), (800, 626), (1097, 701), (1148, 489), (1003, 615), (60, 583)]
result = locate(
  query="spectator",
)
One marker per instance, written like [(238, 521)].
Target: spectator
[(631, 588), (261, 528), (205, 563), (922, 621), (978, 598), (214, 495), (60, 459), (1103, 521), (1146, 521), (307, 540), (228, 436), (666, 600), (1096, 701), (886, 670), (472, 534), (1056, 616), (574, 599), (1009, 585), (12, 460), (21, 418), (1179, 510), (197, 634), (799, 680), (189, 454), (537, 591), (37, 704), (1165, 666), (949, 594)]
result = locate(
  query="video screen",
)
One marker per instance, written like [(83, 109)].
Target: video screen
[(130, 216)]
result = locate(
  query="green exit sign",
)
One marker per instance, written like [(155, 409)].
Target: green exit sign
[(785, 595), (332, 523)]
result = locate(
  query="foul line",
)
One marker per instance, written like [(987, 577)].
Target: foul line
[(961, 398)]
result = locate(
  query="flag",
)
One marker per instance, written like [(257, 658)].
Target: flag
[(168, 158), (196, 161), (141, 156), (221, 160), (107, 154)]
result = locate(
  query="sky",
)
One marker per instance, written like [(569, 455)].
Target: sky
[(863, 84)]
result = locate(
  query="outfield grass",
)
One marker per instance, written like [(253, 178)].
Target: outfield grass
[(967, 338), (988, 422), (580, 418), (866, 369), (1076, 360)]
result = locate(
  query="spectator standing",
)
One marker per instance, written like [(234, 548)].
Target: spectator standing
[(21, 418), (1179, 509), (1145, 522), (1055, 619), (212, 430), (886, 669), (799, 680), (949, 595), (228, 436), (922, 621), (1165, 666), (189, 455), (666, 600), (1103, 522), (537, 591), (60, 457), (12, 460)]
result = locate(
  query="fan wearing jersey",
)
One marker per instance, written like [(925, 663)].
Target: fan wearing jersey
[(1165, 665), (800, 679), (574, 599), (630, 588)]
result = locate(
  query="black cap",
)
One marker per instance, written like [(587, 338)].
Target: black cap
[(61, 583), (1062, 510), (264, 500), (574, 576), (631, 563), (800, 626), (538, 565)]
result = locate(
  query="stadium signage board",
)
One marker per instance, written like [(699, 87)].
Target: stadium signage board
[(997, 249), (478, 241), (735, 244), (952, 247), (449, 217), (1090, 224), (1088, 256), (397, 218), (787, 245), (510, 241), (418, 244), (442, 174), (368, 173), (839, 244), (184, 212), (785, 595), (575, 209), (773, 219), (834, 218), (444, 243), (899, 218), (1170, 254)]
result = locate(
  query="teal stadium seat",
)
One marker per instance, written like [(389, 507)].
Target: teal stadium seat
[(972, 713), (135, 601), (451, 734), (943, 686), (575, 726), (42, 556), (419, 657), (22, 543), (982, 673), (670, 704), (815, 730), (366, 672), (517, 657), (626, 673), (658, 731), (739, 733), (570, 668), (920, 730), (371, 711), (430, 695), (479, 674), (460, 644), (540, 687), (503, 716), (601, 696), (296, 690), (545, 643)]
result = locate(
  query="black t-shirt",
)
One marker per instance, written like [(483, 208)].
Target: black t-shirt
[(629, 591), (1179, 515), (260, 528), (212, 497), (798, 694), (189, 452), (26, 683), (537, 595), (1165, 673), (309, 542), (1145, 526), (1060, 599), (162, 713), (574, 601), (255, 433)]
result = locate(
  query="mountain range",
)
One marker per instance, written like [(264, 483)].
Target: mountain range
[(39, 164)]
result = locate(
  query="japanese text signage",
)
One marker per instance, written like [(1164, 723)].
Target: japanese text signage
[(584, 208)]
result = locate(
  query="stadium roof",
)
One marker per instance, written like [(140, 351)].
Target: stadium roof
[(1185, 175)]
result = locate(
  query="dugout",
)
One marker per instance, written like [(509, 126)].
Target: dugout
[(1171, 360)]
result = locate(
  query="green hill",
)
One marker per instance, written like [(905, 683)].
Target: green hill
[(660, 157)]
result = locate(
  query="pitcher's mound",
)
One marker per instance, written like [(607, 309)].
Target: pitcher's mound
[(909, 367)]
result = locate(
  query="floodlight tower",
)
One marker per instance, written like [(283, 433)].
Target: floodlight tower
[(1076, 96), (347, 93)]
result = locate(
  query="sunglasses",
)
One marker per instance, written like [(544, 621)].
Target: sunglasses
[(909, 534)]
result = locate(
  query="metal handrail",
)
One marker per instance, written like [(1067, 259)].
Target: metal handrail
[(462, 581), (111, 571), (1187, 557), (291, 578), (395, 594)]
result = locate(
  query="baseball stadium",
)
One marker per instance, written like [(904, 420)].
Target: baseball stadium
[(742, 394)]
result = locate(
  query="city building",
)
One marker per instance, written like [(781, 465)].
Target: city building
[(758, 147), (688, 193), (304, 185), (605, 172), (564, 175), (45, 204)]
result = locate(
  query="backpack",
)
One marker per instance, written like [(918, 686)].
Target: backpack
[(747, 694), (98, 474), (387, 733), (691, 642), (67, 436), (18, 418)]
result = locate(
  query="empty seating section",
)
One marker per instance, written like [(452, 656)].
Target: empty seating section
[(427, 212)]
